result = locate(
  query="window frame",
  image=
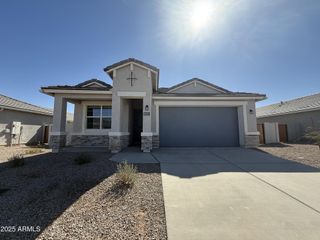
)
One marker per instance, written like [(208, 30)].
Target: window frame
[(100, 117)]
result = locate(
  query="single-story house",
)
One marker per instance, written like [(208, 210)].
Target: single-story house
[(22, 123), (135, 111), (294, 117)]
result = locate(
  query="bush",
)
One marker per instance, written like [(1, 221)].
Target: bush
[(16, 160), (312, 135), (126, 175), (82, 159)]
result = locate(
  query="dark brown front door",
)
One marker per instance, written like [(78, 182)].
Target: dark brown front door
[(260, 128), (283, 132), (46, 134), (137, 127)]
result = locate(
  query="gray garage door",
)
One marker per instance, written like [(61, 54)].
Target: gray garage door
[(198, 127)]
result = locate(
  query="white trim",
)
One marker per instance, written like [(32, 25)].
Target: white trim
[(205, 98), (115, 73), (85, 104), (75, 91), (149, 73), (94, 82), (195, 84), (117, 134), (94, 133), (200, 103), (131, 94), (131, 67), (146, 134), (128, 63), (245, 117), (252, 133), (57, 133)]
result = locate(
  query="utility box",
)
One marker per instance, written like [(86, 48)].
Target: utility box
[(16, 128)]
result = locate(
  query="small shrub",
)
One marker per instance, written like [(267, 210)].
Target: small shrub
[(126, 175), (33, 151), (16, 160), (82, 159), (311, 135)]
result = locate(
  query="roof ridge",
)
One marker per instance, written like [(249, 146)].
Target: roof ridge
[(127, 60), (26, 103), (200, 80)]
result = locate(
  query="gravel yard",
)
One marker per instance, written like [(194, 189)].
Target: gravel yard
[(71, 201), (302, 153)]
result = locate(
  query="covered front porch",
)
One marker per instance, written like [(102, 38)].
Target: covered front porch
[(100, 123)]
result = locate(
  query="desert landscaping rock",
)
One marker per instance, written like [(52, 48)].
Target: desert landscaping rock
[(303, 153), (70, 201)]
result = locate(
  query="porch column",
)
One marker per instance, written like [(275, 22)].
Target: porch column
[(146, 135), (77, 118), (118, 139), (58, 133)]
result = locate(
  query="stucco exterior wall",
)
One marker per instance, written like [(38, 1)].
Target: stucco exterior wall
[(32, 126), (251, 116), (296, 123), (195, 88), (120, 105)]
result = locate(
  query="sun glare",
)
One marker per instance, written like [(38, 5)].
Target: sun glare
[(193, 22), (200, 15)]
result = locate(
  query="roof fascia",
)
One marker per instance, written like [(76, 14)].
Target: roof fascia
[(198, 82)]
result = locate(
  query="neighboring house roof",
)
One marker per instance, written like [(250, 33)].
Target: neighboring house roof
[(220, 89), (129, 60), (17, 105), (92, 84), (303, 104)]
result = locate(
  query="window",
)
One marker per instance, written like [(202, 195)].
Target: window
[(99, 117)]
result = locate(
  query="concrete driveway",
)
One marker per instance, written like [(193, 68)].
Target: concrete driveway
[(234, 193)]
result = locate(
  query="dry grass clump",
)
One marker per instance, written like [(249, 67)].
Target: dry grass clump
[(33, 151), (16, 160), (126, 175)]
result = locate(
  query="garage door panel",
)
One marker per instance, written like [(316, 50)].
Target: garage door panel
[(198, 127)]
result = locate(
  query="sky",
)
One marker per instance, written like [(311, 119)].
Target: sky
[(270, 47)]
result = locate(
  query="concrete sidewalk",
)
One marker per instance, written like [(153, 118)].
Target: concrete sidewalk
[(133, 155), (217, 193)]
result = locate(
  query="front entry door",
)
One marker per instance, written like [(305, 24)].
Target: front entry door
[(137, 127)]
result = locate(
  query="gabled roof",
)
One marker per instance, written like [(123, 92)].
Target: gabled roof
[(220, 89), (84, 86), (17, 105), (303, 104), (130, 60), (93, 82)]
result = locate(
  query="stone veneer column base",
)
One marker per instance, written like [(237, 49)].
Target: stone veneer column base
[(117, 143), (146, 143), (57, 142), (155, 141), (251, 141), (90, 140)]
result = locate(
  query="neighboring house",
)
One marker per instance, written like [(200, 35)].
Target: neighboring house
[(135, 111), (293, 117), (22, 123)]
